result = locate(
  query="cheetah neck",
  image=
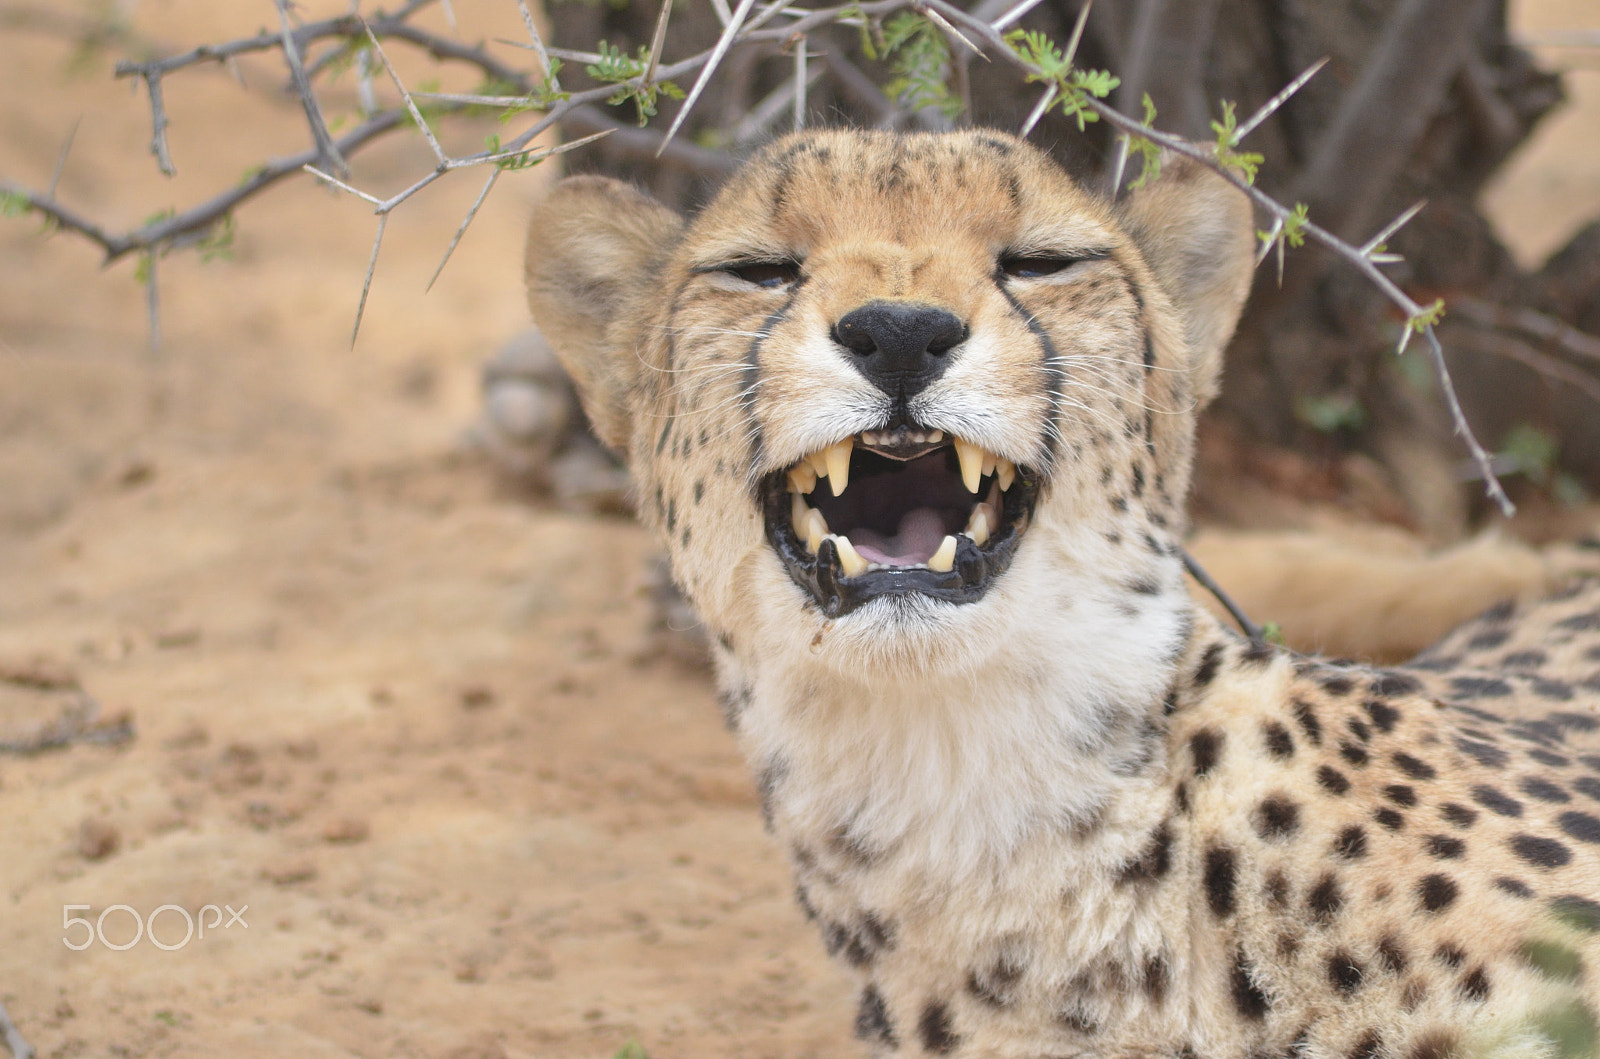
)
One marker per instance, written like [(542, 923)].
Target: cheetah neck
[(950, 777)]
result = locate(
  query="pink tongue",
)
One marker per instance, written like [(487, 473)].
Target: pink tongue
[(921, 532)]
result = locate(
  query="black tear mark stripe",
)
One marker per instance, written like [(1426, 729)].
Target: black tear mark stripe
[(752, 376), (1053, 370)]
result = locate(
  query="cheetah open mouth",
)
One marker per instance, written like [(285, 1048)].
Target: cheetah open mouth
[(903, 511)]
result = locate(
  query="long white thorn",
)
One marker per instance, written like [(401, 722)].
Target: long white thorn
[(1371, 245), (723, 42), (1270, 106), (366, 284), (1038, 112), (1015, 13)]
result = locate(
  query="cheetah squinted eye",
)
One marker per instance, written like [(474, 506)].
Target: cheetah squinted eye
[(914, 416)]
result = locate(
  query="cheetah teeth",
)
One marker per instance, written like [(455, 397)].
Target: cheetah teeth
[(833, 463)]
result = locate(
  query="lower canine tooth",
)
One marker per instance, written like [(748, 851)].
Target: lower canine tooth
[(971, 458), (837, 458), (849, 558), (978, 528), (802, 478), (816, 529), (943, 560)]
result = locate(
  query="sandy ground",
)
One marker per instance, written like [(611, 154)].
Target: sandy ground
[(411, 725)]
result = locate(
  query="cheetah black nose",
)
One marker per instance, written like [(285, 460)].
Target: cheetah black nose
[(899, 346)]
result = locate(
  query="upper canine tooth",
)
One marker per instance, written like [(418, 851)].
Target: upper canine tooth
[(943, 560), (989, 460), (797, 514), (971, 458), (978, 526), (1006, 471), (849, 558), (819, 465), (837, 458), (802, 478), (816, 528)]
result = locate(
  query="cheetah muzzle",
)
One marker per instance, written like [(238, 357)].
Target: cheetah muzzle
[(897, 511)]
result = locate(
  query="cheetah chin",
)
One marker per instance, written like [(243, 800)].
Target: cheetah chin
[(905, 509)]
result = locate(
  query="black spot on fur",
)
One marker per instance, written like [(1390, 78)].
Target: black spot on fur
[(1400, 794), (1546, 688), (1496, 802), (1370, 1046), (1581, 826), (1389, 820), (1155, 978), (1458, 814), (1482, 753), (1450, 955), (935, 1031), (1325, 899), (699, 490), (1360, 729), (1392, 954), (1475, 986), (1514, 887), (767, 782), (1332, 780), (1479, 687), (1308, 721), (1355, 755), (1587, 785), (872, 1019), (1351, 843), (1524, 659), (1154, 862), (1416, 768), (1248, 999), (1436, 892), (1384, 716), (1544, 790), (1587, 622), (1390, 683), (1438, 1044), (1488, 640), (1336, 684), (734, 701), (1277, 818), (1549, 757), (1259, 653), (1445, 847), (1206, 747), (1206, 672), (994, 986), (1221, 874), (1345, 972), (1280, 744), (1541, 852)]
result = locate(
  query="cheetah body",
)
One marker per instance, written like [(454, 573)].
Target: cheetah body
[(1036, 801)]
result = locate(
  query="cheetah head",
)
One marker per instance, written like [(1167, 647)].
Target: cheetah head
[(906, 391)]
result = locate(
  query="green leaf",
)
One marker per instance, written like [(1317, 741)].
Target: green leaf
[(919, 58), (14, 204), (1532, 451), (1331, 413), (631, 1050)]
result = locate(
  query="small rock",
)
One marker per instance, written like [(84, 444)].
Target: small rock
[(97, 839), (289, 873), (346, 831), (477, 696)]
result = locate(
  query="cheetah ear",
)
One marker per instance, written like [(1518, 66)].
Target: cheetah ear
[(594, 259), (1196, 233)]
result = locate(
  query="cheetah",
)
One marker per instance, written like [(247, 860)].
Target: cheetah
[(913, 415)]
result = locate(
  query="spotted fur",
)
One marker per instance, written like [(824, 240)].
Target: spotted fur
[(1075, 816)]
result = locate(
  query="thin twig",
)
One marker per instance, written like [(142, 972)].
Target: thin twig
[(1198, 572), (411, 104), (1552, 331), (61, 159), (19, 1047), (488, 186), (1270, 107), (328, 153), (721, 49), (158, 121), (366, 284), (1514, 348)]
